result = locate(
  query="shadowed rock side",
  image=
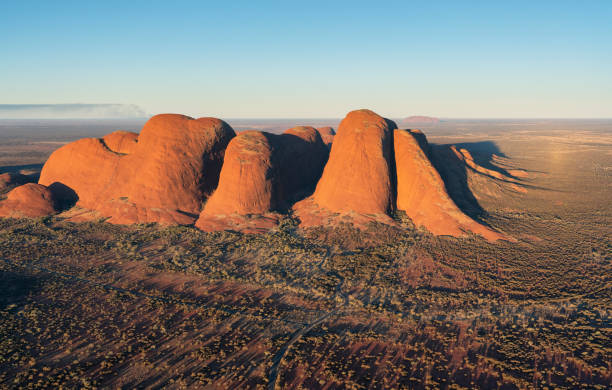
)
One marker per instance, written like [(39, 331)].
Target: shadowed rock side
[(262, 174), (327, 135), (160, 177), (421, 192), (302, 155), (29, 200)]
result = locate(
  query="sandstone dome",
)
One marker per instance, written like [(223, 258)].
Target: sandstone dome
[(247, 179), (357, 176), (28, 200), (162, 176), (302, 155), (263, 174)]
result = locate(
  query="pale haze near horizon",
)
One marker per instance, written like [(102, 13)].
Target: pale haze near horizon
[(314, 60)]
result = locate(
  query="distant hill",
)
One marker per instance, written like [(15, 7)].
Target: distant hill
[(70, 111), (421, 119)]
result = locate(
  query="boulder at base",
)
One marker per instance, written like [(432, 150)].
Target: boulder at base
[(29, 200)]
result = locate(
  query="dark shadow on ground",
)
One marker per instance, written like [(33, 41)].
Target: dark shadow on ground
[(483, 153), (16, 287), (34, 168), (18, 168), (65, 196), (454, 173)]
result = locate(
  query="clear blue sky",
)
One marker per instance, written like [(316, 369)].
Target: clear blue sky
[(312, 59)]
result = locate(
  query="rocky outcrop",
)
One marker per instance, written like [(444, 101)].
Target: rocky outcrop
[(263, 174), (358, 175), (162, 176), (421, 192), (29, 200), (123, 142)]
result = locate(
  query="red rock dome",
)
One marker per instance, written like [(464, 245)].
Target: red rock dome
[(163, 176), (28, 200), (357, 176)]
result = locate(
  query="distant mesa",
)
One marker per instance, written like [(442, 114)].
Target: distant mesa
[(181, 170), (420, 119), (70, 111), (29, 200)]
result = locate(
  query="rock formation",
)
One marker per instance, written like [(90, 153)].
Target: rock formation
[(28, 200), (421, 192), (160, 177), (358, 175), (123, 142), (248, 177), (374, 169), (179, 169), (327, 134), (262, 174)]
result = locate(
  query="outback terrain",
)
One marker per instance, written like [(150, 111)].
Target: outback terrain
[(375, 304)]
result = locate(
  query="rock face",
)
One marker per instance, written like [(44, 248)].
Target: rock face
[(302, 155), (327, 134), (28, 200), (245, 182), (248, 178), (358, 175), (263, 173), (123, 142), (421, 192), (161, 176)]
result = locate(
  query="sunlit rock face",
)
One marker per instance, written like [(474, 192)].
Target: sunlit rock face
[(181, 170), (421, 192), (160, 176), (357, 176), (28, 200), (263, 174), (375, 169)]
